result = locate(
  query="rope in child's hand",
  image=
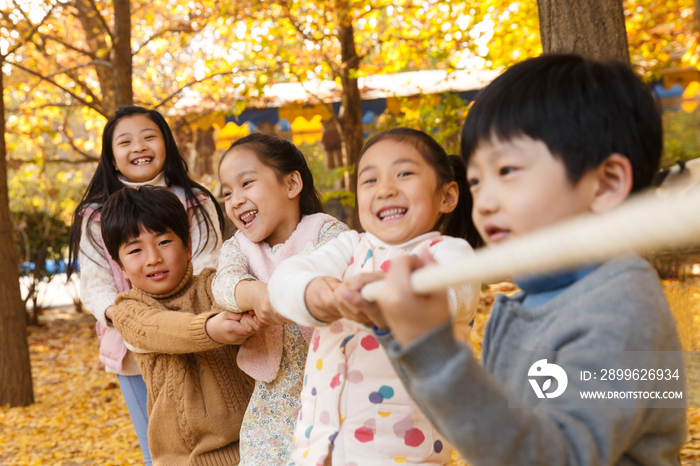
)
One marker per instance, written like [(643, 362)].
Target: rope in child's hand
[(642, 224)]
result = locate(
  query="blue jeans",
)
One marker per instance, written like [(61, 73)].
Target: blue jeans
[(135, 396)]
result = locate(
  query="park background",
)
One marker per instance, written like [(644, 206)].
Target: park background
[(326, 75)]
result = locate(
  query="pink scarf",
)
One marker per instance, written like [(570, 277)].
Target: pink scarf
[(260, 356)]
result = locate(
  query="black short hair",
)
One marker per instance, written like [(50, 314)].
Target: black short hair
[(128, 210), (583, 110)]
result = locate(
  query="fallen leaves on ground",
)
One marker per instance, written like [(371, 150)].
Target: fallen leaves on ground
[(79, 417)]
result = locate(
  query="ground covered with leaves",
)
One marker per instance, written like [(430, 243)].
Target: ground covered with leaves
[(79, 417)]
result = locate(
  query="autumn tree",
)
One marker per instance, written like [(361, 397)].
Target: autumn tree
[(93, 56), (16, 27), (68, 70), (310, 41)]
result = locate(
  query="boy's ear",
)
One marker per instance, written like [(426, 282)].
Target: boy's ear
[(122, 270), (613, 183), (294, 184), (450, 197)]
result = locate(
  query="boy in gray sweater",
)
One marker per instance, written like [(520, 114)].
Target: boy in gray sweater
[(566, 374)]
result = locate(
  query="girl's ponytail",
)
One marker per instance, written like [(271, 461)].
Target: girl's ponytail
[(460, 224)]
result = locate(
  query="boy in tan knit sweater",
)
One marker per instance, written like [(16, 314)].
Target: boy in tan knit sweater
[(184, 343)]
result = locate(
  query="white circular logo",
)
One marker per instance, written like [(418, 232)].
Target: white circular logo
[(542, 369)]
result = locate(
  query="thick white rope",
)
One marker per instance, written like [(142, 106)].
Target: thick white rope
[(642, 224)]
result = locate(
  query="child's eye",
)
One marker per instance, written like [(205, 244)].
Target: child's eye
[(369, 181), (134, 251), (402, 174), (472, 182), (247, 183), (227, 194), (164, 242), (123, 142), (506, 170)]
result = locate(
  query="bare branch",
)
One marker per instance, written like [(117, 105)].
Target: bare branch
[(50, 105), (197, 81), (163, 32), (86, 155), (26, 18), (297, 25), (102, 20), (68, 46), (77, 67), (86, 88), (6, 16), (97, 108), (73, 161), (30, 34)]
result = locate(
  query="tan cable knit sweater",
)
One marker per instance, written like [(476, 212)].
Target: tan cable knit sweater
[(196, 394)]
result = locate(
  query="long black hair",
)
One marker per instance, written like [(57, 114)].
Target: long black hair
[(457, 223), (105, 181), (284, 158)]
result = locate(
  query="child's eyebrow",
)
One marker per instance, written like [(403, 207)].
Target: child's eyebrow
[(244, 173), (365, 169), (396, 162), (132, 241), (143, 131)]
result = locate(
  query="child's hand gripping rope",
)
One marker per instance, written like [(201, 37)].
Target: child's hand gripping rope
[(350, 303), (230, 328), (262, 308)]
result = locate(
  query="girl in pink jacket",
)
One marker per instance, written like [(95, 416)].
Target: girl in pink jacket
[(138, 149)]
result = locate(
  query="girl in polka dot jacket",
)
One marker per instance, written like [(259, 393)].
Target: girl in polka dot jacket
[(354, 410)]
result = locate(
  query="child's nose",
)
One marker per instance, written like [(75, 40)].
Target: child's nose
[(485, 200), (153, 256), (386, 190), (237, 199), (138, 145)]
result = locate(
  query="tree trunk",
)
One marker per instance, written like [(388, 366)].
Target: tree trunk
[(121, 55), (15, 369), (350, 118), (592, 28), (697, 16), (95, 39)]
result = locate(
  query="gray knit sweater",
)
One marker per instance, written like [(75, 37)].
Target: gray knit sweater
[(493, 417)]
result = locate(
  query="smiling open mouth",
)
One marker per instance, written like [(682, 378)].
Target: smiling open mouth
[(392, 213), (142, 160), (158, 274), (248, 217)]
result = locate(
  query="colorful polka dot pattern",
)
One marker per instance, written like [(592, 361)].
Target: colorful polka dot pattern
[(357, 406)]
